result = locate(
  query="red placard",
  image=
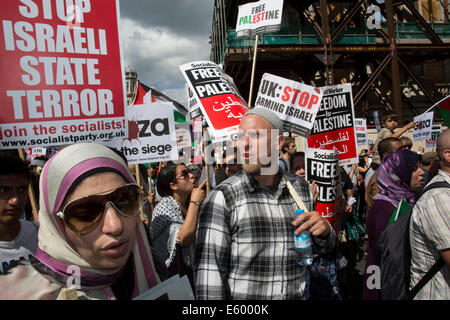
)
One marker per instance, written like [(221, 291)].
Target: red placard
[(62, 75), (334, 124)]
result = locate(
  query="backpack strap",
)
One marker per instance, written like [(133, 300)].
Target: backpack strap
[(439, 184), (285, 164), (440, 263), (427, 277)]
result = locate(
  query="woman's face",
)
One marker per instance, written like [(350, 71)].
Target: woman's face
[(417, 177), (184, 180), (110, 243)]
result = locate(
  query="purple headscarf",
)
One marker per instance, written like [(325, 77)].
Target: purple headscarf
[(394, 176)]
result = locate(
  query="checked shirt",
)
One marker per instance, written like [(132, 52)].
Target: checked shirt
[(244, 244)]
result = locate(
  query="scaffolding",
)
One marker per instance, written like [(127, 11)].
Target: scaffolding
[(399, 63)]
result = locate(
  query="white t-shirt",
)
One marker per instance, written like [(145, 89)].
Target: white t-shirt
[(20, 248)]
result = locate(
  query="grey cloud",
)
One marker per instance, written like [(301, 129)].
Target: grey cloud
[(184, 17)]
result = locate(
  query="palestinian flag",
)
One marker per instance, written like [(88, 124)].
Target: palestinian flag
[(444, 109), (401, 209), (179, 112)]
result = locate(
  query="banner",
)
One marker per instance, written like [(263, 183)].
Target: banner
[(32, 153), (436, 130), (334, 124), (220, 101), (422, 128), (62, 77), (151, 136), (193, 105), (259, 17), (322, 167), (362, 138), (295, 103)]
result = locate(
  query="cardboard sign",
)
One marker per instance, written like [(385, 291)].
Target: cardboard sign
[(436, 131), (151, 136), (322, 167), (220, 101), (422, 128), (193, 105), (183, 133), (295, 103), (32, 153), (62, 77), (334, 124), (259, 17), (362, 138)]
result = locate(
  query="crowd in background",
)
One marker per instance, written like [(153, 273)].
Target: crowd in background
[(174, 202)]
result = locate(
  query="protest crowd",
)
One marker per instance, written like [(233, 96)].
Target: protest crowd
[(272, 200), (233, 243)]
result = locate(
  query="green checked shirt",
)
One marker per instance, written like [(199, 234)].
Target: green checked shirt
[(245, 245)]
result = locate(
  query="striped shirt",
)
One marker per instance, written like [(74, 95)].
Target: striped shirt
[(429, 234), (245, 245)]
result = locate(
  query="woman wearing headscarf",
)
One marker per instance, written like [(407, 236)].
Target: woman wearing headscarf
[(174, 221), (399, 176), (90, 235)]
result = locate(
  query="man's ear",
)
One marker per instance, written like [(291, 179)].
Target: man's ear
[(281, 142), (446, 155)]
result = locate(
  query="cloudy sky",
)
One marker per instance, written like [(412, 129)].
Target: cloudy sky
[(159, 35)]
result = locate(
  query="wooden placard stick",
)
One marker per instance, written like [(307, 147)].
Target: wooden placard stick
[(138, 181), (205, 144), (31, 195), (151, 191)]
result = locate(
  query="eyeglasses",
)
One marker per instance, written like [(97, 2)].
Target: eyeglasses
[(184, 174), (84, 214)]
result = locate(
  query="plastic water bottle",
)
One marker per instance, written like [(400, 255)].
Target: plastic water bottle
[(303, 246)]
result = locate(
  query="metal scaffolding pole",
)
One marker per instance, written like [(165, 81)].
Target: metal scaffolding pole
[(396, 90)]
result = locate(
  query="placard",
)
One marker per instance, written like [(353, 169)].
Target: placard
[(322, 167), (362, 138), (151, 136), (422, 128), (295, 103), (334, 126), (62, 78), (220, 101), (436, 130), (259, 17)]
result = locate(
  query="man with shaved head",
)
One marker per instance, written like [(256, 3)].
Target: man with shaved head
[(430, 231), (245, 244)]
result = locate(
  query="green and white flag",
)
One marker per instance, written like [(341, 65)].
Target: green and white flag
[(401, 209)]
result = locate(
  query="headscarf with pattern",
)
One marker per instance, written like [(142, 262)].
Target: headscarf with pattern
[(394, 177)]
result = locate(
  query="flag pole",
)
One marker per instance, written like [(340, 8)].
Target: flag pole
[(255, 49), (434, 105)]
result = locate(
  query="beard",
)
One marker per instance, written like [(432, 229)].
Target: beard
[(252, 169), (255, 169)]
